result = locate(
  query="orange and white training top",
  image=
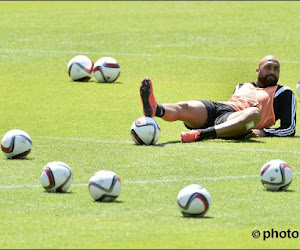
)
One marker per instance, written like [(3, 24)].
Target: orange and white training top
[(248, 95)]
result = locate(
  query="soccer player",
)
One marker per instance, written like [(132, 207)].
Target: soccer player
[(251, 112)]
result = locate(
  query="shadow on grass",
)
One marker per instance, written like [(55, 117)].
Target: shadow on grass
[(106, 83), (59, 193), (249, 140), (22, 159), (243, 140), (95, 81), (109, 202), (197, 217), (280, 191), (167, 143), (76, 81), (218, 140)]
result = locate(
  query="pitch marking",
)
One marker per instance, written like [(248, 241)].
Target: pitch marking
[(56, 52), (150, 181), (196, 145), (145, 181)]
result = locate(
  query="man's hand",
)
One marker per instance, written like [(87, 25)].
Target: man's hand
[(256, 133)]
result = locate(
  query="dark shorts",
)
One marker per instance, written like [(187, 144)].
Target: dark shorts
[(217, 113)]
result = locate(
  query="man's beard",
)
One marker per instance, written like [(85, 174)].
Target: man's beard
[(268, 80)]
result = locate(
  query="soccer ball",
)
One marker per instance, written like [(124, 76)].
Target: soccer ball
[(80, 68), (145, 131), (56, 176), (16, 144), (105, 185), (276, 175), (106, 69), (193, 201)]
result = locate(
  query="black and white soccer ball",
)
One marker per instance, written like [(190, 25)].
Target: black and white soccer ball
[(80, 68), (276, 175), (106, 69), (145, 131), (105, 186), (193, 201), (16, 144), (56, 177)]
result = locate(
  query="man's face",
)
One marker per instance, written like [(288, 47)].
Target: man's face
[(268, 73)]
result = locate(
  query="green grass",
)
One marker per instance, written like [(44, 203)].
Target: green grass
[(191, 50)]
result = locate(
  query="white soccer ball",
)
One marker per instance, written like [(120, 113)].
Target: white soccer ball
[(106, 69), (80, 68), (276, 175), (145, 131), (56, 176), (16, 144), (193, 200), (105, 186)]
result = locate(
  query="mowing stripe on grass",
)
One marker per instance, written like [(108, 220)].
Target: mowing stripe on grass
[(151, 181), (147, 181), (83, 140), (56, 52), (194, 145)]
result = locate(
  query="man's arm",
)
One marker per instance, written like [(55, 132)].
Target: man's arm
[(286, 112)]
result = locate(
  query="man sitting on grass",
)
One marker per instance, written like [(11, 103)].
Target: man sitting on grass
[(252, 110)]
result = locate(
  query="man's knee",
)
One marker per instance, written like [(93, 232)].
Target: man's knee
[(182, 105), (254, 115), (193, 113)]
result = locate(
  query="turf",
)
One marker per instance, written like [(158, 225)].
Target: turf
[(191, 50)]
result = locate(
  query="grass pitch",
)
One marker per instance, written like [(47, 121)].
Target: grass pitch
[(191, 50)]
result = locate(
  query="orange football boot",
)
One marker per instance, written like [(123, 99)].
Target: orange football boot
[(147, 97), (190, 136)]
